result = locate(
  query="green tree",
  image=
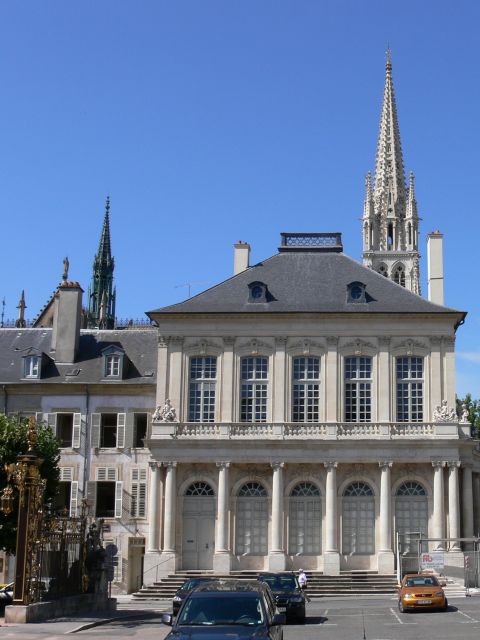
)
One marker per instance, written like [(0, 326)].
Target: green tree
[(473, 408), (13, 442)]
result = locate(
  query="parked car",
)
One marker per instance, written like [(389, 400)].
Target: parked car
[(420, 592), (289, 597), (185, 589), (227, 609), (6, 595)]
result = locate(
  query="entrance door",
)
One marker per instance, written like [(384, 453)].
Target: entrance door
[(198, 544)]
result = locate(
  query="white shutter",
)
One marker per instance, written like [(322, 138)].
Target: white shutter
[(129, 430), (135, 494), (121, 430), (142, 494), (77, 429), (92, 498), (106, 474), (52, 422), (118, 499), (73, 498), (66, 474), (96, 420)]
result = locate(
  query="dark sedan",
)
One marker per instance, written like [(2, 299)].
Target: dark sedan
[(289, 598), (186, 588), (227, 610), (6, 595)]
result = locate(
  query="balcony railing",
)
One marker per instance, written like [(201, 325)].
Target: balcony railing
[(308, 431)]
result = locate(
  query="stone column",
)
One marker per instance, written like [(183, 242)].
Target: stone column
[(383, 381), (331, 390), (169, 518), (331, 557), (476, 503), (438, 520), (279, 381), (385, 554), (467, 505), (276, 555), (152, 564), (154, 504), (453, 503), (222, 557), (227, 392)]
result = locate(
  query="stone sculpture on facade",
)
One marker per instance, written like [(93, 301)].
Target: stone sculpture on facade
[(464, 418), (164, 414), (442, 413)]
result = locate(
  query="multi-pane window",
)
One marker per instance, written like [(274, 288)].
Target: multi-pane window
[(112, 366), (251, 520), (31, 366), (410, 389), (306, 385), (358, 389), (253, 399), (305, 520), (203, 374), (358, 519)]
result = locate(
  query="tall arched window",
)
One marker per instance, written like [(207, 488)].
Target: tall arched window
[(305, 392), (358, 519), (251, 520), (390, 236), (411, 514), (305, 520), (399, 275), (199, 489)]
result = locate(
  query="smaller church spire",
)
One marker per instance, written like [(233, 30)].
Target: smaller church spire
[(20, 322)]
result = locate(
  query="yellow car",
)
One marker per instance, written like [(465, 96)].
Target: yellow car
[(420, 592)]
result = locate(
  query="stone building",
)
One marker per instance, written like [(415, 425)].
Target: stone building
[(300, 413)]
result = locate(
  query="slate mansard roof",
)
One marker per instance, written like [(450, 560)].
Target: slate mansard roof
[(307, 282), (140, 347)]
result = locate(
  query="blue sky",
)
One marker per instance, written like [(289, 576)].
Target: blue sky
[(212, 121)]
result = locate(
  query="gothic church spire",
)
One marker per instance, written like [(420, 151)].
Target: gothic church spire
[(101, 294), (390, 221)]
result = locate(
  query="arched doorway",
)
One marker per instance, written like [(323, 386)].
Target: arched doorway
[(358, 520), (411, 515), (251, 531), (198, 543), (305, 520)]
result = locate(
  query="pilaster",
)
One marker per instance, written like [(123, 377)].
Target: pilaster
[(279, 380), (331, 390)]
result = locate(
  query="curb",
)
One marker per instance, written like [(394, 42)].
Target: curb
[(102, 621)]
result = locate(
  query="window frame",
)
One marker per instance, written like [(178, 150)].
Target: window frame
[(305, 382), (32, 365), (408, 382), (356, 383), (256, 384), (205, 386)]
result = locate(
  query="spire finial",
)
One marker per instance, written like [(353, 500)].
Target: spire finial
[(107, 205), (66, 265), (20, 322), (388, 63)]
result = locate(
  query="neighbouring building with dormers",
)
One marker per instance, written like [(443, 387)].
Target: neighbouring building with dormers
[(299, 414)]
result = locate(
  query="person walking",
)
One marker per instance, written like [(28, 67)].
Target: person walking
[(302, 581)]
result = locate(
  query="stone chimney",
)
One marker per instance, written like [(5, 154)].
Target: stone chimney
[(67, 321), (241, 257), (435, 267)]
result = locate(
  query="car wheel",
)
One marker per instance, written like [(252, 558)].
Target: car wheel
[(401, 608), (445, 606)]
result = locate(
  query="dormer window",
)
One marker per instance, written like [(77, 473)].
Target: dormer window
[(112, 366), (257, 292), (31, 366), (356, 293), (113, 363)]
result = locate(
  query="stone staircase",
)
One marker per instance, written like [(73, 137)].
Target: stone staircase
[(348, 583)]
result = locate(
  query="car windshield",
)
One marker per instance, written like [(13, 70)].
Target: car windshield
[(280, 583), (422, 581), (222, 609)]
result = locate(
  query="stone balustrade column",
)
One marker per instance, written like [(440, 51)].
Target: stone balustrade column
[(169, 518), (154, 502), (222, 544), (438, 519), (385, 507), (453, 503), (277, 507), (467, 504)]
